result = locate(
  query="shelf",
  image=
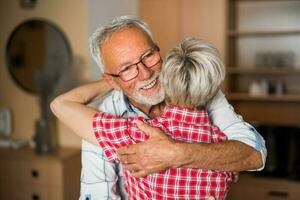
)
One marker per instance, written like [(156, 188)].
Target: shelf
[(260, 0), (273, 98), (263, 71), (266, 27), (235, 33)]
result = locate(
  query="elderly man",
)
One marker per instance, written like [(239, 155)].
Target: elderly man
[(123, 49)]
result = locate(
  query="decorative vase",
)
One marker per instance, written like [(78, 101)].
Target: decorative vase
[(45, 136)]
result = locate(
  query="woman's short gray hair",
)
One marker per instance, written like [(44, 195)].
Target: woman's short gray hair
[(192, 73), (103, 33)]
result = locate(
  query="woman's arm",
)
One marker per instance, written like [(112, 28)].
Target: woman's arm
[(71, 109)]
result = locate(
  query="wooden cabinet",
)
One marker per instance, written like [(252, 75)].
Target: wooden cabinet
[(263, 50), (250, 187), (25, 175)]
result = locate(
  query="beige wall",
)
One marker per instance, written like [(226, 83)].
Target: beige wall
[(71, 17), (205, 19), (103, 11), (173, 20), (164, 20)]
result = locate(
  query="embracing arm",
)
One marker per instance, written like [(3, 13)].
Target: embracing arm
[(224, 156), (245, 149), (71, 108), (237, 130), (160, 153)]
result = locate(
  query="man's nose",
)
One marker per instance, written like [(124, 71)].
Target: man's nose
[(144, 72)]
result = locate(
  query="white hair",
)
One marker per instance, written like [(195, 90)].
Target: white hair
[(192, 73), (103, 33)]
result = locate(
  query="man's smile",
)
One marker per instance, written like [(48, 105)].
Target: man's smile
[(150, 85)]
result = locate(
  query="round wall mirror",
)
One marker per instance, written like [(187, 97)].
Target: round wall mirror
[(34, 47)]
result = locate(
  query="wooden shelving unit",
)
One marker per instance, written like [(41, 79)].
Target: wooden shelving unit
[(261, 108), (242, 71), (262, 0)]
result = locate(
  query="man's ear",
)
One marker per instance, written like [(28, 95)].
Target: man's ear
[(111, 82)]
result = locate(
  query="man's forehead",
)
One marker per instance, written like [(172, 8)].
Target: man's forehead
[(132, 57), (125, 47)]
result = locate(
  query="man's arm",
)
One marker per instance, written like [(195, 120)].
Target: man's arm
[(222, 115), (160, 153), (245, 149)]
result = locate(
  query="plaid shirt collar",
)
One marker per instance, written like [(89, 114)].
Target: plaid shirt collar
[(186, 115), (179, 113)]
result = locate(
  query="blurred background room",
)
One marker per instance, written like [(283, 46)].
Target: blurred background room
[(44, 52)]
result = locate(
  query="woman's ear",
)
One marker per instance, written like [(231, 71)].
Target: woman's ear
[(111, 82)]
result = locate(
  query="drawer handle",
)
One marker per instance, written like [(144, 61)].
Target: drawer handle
[(35, 197), (35, 173), (278, 193)]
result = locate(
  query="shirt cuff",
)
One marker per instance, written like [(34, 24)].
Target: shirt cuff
[(252, 138), (233, 125)]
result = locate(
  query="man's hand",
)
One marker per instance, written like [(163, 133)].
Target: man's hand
[(160, 153), (155, 155)]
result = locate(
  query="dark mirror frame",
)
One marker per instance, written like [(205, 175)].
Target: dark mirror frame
[(10, 40)]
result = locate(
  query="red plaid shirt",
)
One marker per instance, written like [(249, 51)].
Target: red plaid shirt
[(181, 124)]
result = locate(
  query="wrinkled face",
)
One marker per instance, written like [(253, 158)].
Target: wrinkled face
[(127, 47)]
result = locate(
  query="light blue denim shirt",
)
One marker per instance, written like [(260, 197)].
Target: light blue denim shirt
[(102, 179)]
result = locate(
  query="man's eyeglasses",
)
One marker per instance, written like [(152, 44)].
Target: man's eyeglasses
[(148, 59)]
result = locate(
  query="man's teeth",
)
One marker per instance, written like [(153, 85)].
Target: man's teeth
[(150, 85)]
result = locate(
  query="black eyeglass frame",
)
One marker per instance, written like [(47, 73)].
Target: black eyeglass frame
[(155, 48)]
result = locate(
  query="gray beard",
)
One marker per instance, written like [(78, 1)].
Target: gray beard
[(149, 101), (146, 100)]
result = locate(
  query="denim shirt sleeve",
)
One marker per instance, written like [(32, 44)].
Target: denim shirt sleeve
[(100, 178), (222, 115)]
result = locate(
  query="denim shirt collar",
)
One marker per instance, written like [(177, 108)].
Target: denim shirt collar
[(128, 106), (129, 109)]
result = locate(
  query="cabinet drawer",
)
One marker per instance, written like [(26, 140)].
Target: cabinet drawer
[(262, 193), (251, 187), (30, 192), (33, 173), (24, 175)]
